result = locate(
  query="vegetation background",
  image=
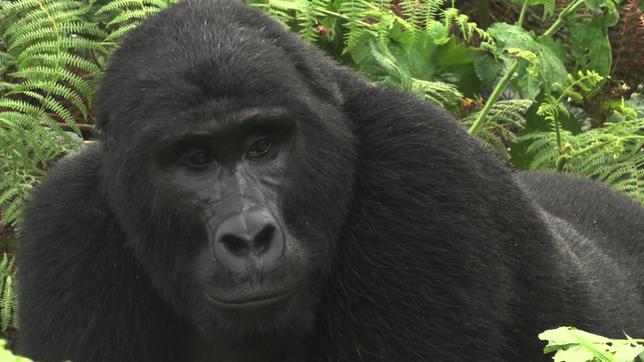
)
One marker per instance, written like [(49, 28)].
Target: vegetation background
[(544, 84)]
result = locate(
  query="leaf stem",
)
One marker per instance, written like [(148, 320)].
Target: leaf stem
[(558, 133), (604, 143), (343, 17), (597, 145), (500, 86), (524, 7), (563, 15)]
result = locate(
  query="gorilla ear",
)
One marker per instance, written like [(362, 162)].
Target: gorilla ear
[(328, 89), (333, 93), (323, 83)]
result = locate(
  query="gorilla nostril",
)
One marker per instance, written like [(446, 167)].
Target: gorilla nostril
[(264, 238), (247, 237), (235, 245)]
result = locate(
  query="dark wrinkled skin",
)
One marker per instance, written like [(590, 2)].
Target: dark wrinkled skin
[(250, 200)]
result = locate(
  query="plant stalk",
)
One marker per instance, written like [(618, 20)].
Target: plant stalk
[(563, 15), (524, 7), (500, 86)]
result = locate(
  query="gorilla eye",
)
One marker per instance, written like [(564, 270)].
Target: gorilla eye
[(198, 160), (259, 148)]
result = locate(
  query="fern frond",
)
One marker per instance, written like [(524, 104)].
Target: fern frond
[(64, 29), (7, 303), (135, 14), (4, 264), (443, 94), (613, 154), (27, 144), (20, 106), (504, 120), (129, 13), (453, 19), (55, 89), (47, 59), (120, 5), (55, 47), (33, 8), (55, 106), (306, 15), (8, 195), (7, 293), (355, 37), (73, 60), (34, 20), (360, 17), (42, 73), (116, 34), (283, 11), (418, 12)]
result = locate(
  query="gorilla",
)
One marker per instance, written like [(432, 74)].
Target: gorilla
[(248, 199)]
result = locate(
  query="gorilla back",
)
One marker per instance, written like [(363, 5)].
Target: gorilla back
[(250, 200)]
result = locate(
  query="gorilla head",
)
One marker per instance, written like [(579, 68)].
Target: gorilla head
[(250, 200), (230, 167)]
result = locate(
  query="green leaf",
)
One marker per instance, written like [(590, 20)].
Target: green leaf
[(574, 353), (607, 7), (591, 47), (554, 45), (550, 65), (7, 356), (511, 36), (565, 338), (455, 65), (487, 68), (437, 31), (527, 85), (572, 345), (549, 8)]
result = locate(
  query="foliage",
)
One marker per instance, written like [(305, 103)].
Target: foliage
[(8, 306), (557, 96), (436, 52), (43, 91), (573, 345), (25, 150), (53, 51), (51, 54), (7, 356), (612, 154), (120, 16), (502, 123), (386, 70)]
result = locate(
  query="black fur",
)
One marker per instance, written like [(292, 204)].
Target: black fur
[(421, 245)]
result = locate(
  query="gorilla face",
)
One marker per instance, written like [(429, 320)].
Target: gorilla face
[(218, 170), (232, 172)]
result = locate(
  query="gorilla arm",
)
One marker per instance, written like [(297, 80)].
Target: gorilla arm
[(79, 281)]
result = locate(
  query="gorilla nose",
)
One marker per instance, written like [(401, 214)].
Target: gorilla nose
[(243, 237)]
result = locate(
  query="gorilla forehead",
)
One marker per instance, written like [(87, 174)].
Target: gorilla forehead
[(216, 33), (211, 51)]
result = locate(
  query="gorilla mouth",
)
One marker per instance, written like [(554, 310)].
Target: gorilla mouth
[(251, 301)]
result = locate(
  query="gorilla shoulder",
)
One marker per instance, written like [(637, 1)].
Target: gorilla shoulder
[(589, 205)]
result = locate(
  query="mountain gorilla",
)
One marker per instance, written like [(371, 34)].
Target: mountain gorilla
[(251, 200)]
